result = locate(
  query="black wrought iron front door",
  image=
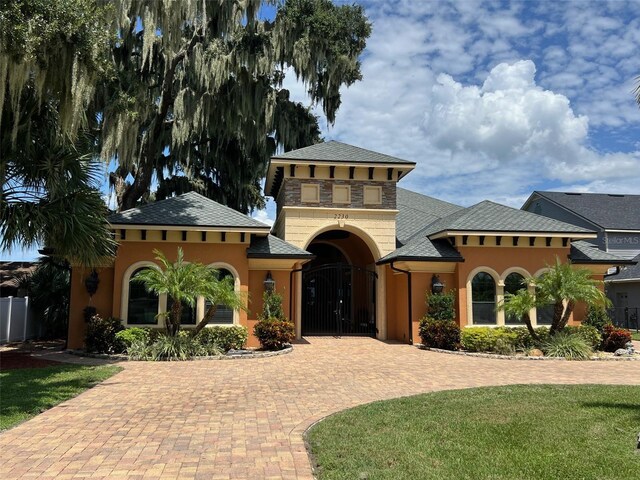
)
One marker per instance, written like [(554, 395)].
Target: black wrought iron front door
[(338, 299)]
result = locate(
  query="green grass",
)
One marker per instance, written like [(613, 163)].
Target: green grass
[(27, 392), (519, 432), (635, 335)]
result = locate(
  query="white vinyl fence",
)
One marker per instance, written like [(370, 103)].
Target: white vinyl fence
[(16, 324)]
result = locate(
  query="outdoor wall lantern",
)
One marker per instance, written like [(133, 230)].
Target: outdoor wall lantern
[(436, 285), (91, 283), (269, 283)]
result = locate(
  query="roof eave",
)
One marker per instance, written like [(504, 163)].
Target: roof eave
[(512, 233), (281, 255), (207, 228), (413, 258)]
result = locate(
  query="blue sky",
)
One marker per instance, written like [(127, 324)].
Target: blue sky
[(496, 99)]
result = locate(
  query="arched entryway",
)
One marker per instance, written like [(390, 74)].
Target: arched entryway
[(339, 286)]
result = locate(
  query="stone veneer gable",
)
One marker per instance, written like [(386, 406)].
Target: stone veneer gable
[(289, 194)]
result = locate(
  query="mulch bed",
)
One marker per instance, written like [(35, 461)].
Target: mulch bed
[(19, 355), (13, 359)]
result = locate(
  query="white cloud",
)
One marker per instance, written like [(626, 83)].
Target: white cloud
[(454, 87)]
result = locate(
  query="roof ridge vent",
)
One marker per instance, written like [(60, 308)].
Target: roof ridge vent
[(573, 193), (615, 195)]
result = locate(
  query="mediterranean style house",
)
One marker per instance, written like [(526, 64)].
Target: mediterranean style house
[(616, 220), (350, 252)]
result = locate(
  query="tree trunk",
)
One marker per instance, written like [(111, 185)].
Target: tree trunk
[(567, 313), (558, 309), (527, 321), (176, 314), (211, 311)]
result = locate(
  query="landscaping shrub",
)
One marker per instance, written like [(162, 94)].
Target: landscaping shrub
[(504, 346), (139, 350), (614, 338), (502, 340), (222, 338), (133, 334), (178, 347), (274, 334), (272, 306), (440, 306), (101, 335), (567, 345), (588, 332), (596, 317), (478, 339), (444, 334)]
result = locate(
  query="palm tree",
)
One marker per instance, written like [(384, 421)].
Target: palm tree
[(519, 305), (49, 192), (220, 292), (563, 286), (183, 283)]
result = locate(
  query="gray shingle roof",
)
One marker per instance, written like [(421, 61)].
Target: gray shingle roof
[(586, 252), (609, 211), (333, 151), (189, 210), (415, 211), (632, 272), (493, 217), (425, 250), (274, 247)]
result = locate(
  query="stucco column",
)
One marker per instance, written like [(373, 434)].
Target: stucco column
[(298, 281), (381, 303), (500, 301)]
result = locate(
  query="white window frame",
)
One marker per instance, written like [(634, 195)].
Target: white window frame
[(124, 297)]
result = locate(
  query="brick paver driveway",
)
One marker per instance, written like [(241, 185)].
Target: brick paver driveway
[(246, 418)]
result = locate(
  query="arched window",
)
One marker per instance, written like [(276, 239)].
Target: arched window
[(544, 313), (483, 297), (224, 314), (143, 305), (512, 284)]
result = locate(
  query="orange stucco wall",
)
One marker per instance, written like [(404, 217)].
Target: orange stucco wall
[(109, 294), (102, 301), (498, 259)]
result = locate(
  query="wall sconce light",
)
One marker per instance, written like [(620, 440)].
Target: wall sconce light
[(91, 283), (269, 283), (436, 285)]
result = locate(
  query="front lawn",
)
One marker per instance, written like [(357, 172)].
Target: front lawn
[(518, 432), (635, 335), (28, 392)]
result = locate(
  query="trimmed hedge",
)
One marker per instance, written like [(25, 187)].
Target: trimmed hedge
[(505, 339), (224, 338)]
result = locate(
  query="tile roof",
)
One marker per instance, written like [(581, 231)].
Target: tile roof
[(631, 272), (609, 211), (493, 217), (415, 211), (190, 210), (333, 151), (274, 247), (424, 249), (586, 252)]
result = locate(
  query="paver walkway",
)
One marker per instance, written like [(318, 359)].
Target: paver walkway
[(246, 418)]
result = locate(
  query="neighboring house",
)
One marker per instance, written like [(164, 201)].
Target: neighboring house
[(10, 273), (351, 253), (616, 219)]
